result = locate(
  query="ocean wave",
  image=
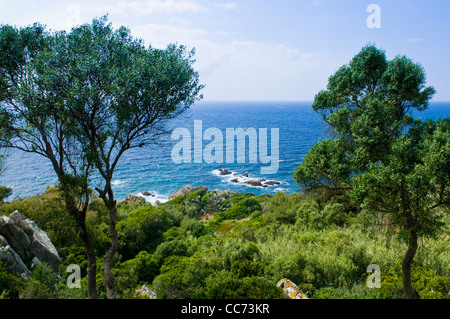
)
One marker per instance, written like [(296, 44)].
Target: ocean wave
[(153, 197)]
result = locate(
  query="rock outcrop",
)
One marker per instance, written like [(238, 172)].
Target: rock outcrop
[(23, 244), (133, 199), (291, 290), (224, 171), (186, 190)]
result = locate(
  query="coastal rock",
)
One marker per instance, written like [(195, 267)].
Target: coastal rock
[(245, 174), (224, 171), (234, 180), (270, 183), (291, 290), (186, 190), (148, 194), (182, 192), (22, 241), (255, 183), (133, 199)]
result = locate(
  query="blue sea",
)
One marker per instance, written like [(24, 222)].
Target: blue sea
[(152, 169)]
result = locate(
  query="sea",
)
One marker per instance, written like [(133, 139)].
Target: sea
[(154, 173)]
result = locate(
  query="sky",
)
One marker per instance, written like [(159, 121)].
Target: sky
[(261, 50)]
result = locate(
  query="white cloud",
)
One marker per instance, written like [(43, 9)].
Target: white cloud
[(239, 70), (414, 40)]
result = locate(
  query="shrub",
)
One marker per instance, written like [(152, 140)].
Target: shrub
[(10, 285), (239, 207), (41, 285), (310, 215), (143, 229), (193, 227), (281, 208), (224, 285), (135, 272), (169, 284), (173, 233), (170, 248), (247, 268), (237, 211)]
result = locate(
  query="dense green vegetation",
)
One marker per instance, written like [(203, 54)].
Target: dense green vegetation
[(376, 192), (321, 245), (395, 169), (81, 99)]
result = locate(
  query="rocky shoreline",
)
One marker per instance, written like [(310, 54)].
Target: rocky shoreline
[(245, 179), (231, 177)]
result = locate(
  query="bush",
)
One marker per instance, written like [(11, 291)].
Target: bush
[(193, 227), (41, 285), (238, 207), (170, 248), (237, 211), (135, 273), (281, 208), (310, 215), (247, 268), (169, 284), (142, 230), (224, 285), (10, 285), (428, 284)]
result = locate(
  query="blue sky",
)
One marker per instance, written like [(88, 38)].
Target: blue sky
[(266, 50)]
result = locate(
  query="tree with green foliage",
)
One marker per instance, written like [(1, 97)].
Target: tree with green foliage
[(411, 190), (366, 106), (122, 94), (34, 117), (390, 164), (84, 98)]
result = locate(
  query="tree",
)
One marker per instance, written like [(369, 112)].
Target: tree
[(378, 155), (366, 106), (84, 98), (121, 95), (411, 189), (35, 120)]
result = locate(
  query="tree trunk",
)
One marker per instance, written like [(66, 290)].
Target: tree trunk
[(92, 261), (109, 280), (410, 292)]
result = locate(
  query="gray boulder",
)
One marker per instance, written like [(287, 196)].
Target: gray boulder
[(224, 171), (133, 199), (255, 183), (21, 238), (16, 237), (182, 192), (42, 248), (186, 190), (13, 263)]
